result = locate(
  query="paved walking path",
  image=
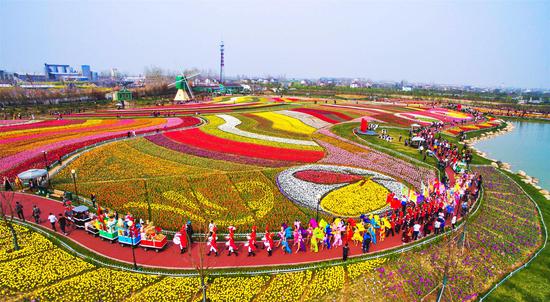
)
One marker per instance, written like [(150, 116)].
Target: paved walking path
[(170, 257)]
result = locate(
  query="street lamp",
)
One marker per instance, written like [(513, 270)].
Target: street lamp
[(318, 203), (133, 252), (45, 154), (73, 174)]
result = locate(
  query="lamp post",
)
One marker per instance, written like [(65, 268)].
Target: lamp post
[(318, 203), (45, 154), (133, 252), (73, 174)]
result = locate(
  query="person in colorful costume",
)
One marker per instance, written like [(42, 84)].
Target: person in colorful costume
[(230, 243), (285, 246), (180, 240), (268, 241), (250, 246), (253, 235), (212, 244)]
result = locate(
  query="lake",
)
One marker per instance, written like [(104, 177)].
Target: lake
[(526, 148)]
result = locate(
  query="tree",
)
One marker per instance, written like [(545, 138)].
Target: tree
[(6, 205)]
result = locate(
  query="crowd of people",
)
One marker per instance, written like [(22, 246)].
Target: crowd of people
[(413, 216), (447, 153)]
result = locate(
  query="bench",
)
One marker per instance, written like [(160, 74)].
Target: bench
[(57, 194)]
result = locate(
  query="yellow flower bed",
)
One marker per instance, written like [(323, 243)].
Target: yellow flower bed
[(357, 269), (169, 289), (457, 114), (27, 273), (355, 199), (120, 161), (102, 284), (286, 123), (326, 280), (29, 243), (238, 289), (285, 287)]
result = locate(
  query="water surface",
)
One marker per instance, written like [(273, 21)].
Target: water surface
[(526, 148)]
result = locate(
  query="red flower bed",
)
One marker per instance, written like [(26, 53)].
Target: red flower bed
[(195, 137), (42, 124), (332, 117), (327, 177)]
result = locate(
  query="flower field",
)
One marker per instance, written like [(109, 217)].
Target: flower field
[(137, 175), (353, 200), (201, 140), (345, 191), (23, 145), (257, 161)]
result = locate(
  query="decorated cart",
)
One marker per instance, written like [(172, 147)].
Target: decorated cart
[(108, 229), (91, 228), (129, 240), (81, 216), (152, 238), (128, 233)]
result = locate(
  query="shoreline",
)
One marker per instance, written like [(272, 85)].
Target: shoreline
[(504, 165)]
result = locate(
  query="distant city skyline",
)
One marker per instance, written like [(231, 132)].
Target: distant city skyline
[(485, 44)]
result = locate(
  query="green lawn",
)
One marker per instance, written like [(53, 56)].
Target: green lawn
[(346, 130), (533, 282)]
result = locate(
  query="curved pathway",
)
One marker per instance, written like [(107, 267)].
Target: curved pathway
[(171, 258)]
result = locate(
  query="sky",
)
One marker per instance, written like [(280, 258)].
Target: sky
[(480, 43)]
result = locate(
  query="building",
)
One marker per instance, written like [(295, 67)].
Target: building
[(6, 77), (87, 72), (122, 95), (64, 72)]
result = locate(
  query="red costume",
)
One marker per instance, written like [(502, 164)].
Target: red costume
[(231, 246)]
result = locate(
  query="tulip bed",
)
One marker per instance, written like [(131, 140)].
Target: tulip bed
[(504, 233), (286, 123), (184, 109), (101, 284), (125, 175), (29, 243), (342, 151), (229, 130), (235, 289), (355, 199), (325, 281), (23, 148), (202, 140), (285, 287), (169, 289), (332, 117), (22, 275)]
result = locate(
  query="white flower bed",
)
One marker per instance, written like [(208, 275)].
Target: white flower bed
[(308, 193), (232, 122)]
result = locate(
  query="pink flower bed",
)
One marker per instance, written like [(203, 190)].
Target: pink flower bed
[(41, 124), (376, 161), (16, 163), (327, 177)]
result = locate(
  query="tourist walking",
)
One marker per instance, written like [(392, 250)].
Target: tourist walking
[(7, 185), (416, 230), (93, 199), (19, 210), (62, 223), (366, 241), (189, 230), (345, 252), (36, 214), (52, 219)]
